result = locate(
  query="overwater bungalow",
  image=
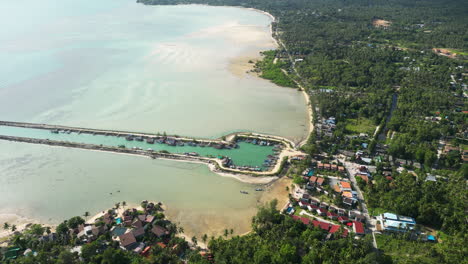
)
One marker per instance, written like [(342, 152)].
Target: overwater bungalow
[(54, 131), (129, 138), (227, 162), (180, 143), (150, 140), (170, 142), (139, 138), (218, 146)]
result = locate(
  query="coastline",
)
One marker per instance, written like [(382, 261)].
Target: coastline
[(272, 180), (278, 43), (244, 63)]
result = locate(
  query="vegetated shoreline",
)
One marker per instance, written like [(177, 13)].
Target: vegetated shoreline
[(23, 222), (239, 61)]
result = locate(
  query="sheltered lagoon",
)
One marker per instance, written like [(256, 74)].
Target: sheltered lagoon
[(121, 65)]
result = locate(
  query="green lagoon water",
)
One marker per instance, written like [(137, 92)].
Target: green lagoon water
[(116, 64), (247, 154)]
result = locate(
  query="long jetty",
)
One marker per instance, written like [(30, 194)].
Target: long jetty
[(218, 164), (117, 133)]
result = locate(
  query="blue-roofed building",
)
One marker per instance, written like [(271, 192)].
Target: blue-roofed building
[(397, 223), (431, 238)]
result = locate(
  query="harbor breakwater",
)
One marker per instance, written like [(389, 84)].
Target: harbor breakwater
[(218, 164)]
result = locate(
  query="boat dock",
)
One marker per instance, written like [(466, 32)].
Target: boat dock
[(220, 163)]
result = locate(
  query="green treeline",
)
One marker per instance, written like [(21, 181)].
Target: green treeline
[(274, 71), (278, 239), (382, 78)]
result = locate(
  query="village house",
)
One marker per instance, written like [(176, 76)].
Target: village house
[(127, 241), (322, 212), (320, 181), (343, 219), (159, 231), (305, 198), (358, 228), (396, 223), (332, 215)]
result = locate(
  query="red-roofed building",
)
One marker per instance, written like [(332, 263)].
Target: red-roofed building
[(146, 251), (161, 244), (312, 207), (332, 215), (303, 204), (321, 225), (345, 233), (322, 212), (304, 220), (314, 202), (334, 229), (358, 228), (343, 219)]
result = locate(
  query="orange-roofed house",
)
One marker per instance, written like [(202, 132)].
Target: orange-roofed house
[(337, 188), (364, 178), (320, 181), (345, 185), (347, 194), (161, 244)]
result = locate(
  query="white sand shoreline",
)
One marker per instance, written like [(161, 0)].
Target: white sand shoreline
[(22, 222)]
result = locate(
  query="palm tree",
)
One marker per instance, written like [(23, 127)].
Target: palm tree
[(194, 240), (226, 232), (204, 238), (124, 203), (181, 229), (6, 226), (117, 205), (86, 214), (13, 228), (231, 231)]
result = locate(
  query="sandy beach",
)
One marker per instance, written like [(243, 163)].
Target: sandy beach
[(277, 190)]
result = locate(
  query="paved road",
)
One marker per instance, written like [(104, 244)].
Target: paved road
[(352, 168)]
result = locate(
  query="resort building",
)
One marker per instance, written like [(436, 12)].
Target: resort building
[(393, 222)]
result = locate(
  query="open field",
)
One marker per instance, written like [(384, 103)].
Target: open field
[(361, 125)]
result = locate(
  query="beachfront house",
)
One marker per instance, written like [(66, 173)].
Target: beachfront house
[(127, 241), (159, 231)]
